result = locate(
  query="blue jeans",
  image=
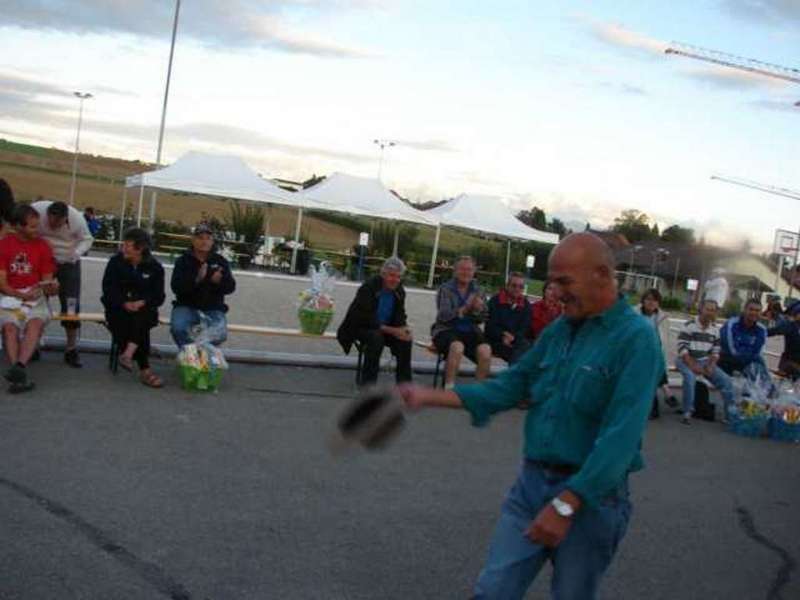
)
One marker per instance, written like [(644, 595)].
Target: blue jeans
[(719, 378), (184, 319), (581, 559)]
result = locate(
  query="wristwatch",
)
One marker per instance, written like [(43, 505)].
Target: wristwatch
[(564, 509)]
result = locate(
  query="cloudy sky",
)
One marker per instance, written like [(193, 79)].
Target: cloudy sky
[(570, 105)]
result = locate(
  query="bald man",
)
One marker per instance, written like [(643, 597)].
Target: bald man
[(590, 381)]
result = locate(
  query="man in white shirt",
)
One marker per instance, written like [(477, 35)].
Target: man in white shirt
[(65, 229)]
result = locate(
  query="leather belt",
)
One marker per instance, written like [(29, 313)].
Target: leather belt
[(558, 469)]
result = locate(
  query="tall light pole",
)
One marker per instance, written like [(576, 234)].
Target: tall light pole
[(658, 253), (631, 272), (81, 97), (164, 110), (383, 144)]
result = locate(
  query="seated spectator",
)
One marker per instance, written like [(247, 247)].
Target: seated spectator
[(92, 222), (64, 229), (26, 279), (774, 313), (6, 207), (200, 281), (789, 328), (742, 341), (133, 289), (509, 320), (650, 309), (377, 318), (546, 310), (460, 309), (698, 354)]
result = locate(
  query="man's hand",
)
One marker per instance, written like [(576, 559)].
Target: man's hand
[(32, 294), (216, 276), (50, 287), (549, 528), (201, 273), (413, 395), (508, 338), (403, 334), (476, 304)]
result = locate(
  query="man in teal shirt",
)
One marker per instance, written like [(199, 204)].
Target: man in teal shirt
[(590, 381)]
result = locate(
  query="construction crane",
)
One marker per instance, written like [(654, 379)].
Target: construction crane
[(736, 62), (753, 185)]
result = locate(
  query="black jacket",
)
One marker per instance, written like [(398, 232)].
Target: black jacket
[(204, 295), (363, 312), (122, 282), (502, 317)]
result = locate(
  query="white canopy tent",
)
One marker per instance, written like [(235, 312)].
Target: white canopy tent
[(486, 214), (217, 175), (366, 197)]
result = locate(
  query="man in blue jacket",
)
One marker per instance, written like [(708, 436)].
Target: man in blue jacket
[(201, 279), (509, 320), (742, 340), (590, 380)]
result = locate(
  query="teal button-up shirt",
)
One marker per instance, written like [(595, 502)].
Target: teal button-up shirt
[(590, 389)]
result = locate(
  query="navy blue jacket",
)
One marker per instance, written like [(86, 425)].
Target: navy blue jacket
[(204, 295), (503, 317)]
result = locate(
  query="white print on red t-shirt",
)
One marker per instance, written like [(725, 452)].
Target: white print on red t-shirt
[(21, 265)]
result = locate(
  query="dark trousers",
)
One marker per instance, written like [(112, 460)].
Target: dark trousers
[(373, 341), (68, 276), (512, 353), (127, 327)]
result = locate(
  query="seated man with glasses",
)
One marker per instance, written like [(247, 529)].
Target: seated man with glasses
[(509, 320)]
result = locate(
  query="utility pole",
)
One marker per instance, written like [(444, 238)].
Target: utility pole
[(383, 144)]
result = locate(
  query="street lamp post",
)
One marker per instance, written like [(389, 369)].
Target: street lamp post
[(164, 109), (81, 97), (631, 272), (382, 144)]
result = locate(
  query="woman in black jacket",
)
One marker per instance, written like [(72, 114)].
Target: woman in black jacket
[(133, 289)]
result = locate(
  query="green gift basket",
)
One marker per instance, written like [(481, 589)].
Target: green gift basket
[(314, 321), (194, 379)]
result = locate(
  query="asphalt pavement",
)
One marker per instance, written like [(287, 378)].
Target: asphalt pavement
[(109, 490)]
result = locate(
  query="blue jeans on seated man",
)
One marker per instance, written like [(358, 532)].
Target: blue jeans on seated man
[(185, 319), (719, 378), (579, 561)]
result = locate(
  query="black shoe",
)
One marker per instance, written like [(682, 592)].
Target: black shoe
[(671, 401), (685, 420), (72, 359), (15, 374), (36, 356), (19, 388)]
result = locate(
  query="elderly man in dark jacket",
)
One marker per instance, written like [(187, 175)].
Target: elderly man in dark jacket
[(377, 318), (200, 280), (509, 320)]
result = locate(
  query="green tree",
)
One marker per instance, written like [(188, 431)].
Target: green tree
[(678, 234), (557, 226), (535, 217), (634, 225)]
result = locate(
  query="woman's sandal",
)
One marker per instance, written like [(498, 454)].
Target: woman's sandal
[(152, 380), (125, 362)]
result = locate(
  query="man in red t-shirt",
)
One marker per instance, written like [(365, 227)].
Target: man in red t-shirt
[(26, 278)]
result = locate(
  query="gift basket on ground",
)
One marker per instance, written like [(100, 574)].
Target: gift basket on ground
[(201, 364), (316, 303), (750, 411), (784, 422)]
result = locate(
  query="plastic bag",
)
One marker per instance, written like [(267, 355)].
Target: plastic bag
[(316, 303), (201, 364)]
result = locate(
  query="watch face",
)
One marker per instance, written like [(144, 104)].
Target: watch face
[(563, 508)]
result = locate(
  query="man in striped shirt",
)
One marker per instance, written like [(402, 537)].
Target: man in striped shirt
[(698, 354)]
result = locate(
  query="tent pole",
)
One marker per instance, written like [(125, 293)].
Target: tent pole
[(141, 199), (122, 212), (508, 257), (396, 239), (296, 239), (433, 258)]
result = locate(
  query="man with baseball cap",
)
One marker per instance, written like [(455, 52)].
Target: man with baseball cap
[(65, 229), (201, 279)]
